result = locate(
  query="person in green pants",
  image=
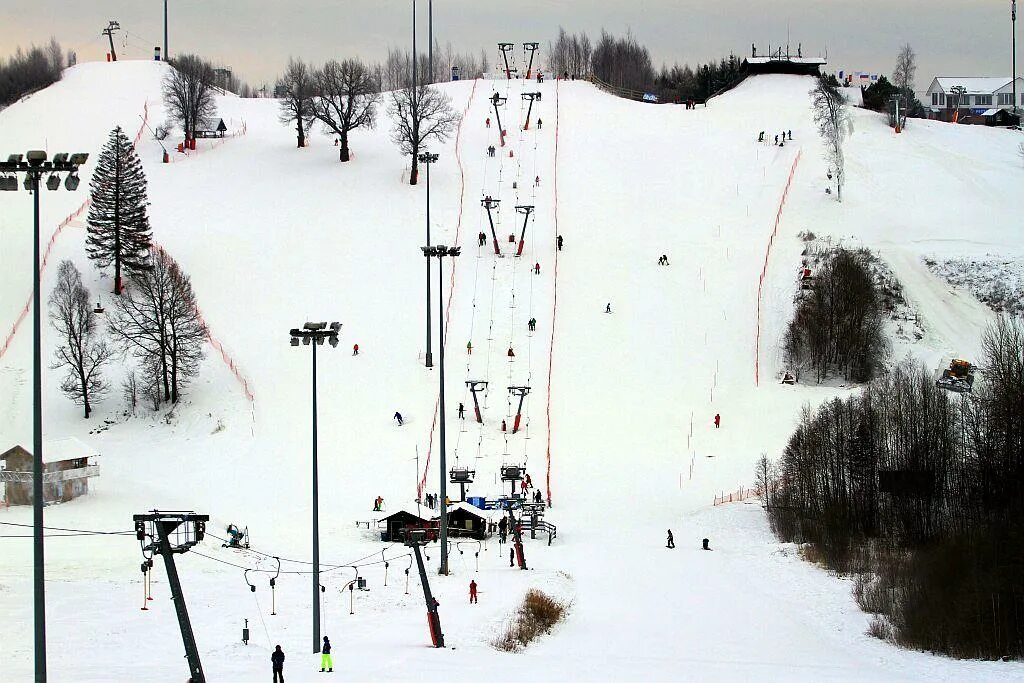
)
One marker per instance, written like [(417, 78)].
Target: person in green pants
[(325, 658)]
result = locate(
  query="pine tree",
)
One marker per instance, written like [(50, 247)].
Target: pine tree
[(119, 231)]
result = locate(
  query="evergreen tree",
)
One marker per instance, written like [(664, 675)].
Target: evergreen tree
[(119, 231)]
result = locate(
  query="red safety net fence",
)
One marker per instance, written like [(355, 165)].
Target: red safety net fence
[(421, 484), (554, 304), (740, 494), (70, 218), (764, 269)]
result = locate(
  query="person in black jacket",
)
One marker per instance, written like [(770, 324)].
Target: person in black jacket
[(277, 662), (325, 657)]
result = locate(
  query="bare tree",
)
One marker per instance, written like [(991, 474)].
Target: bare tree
[(79, 350), (188, 91), (906, 68), (833, 121), (346, 99), (158, 320), (420, 114), (299, 84)]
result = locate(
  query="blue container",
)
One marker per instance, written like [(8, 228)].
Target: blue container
[(477, 501)]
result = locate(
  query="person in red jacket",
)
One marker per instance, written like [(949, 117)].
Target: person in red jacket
[(472, 592), (718, 420)]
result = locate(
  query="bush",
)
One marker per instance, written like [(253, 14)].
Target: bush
[(536, 616)]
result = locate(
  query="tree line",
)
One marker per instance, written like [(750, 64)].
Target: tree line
[(917, 491), (29, 70)]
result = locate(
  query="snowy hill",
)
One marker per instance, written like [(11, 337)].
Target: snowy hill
[(618, 423)]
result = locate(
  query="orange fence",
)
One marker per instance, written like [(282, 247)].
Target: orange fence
[(738, 495), (53, 239), (764, 270)]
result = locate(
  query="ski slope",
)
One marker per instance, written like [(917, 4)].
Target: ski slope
[(620, 408)]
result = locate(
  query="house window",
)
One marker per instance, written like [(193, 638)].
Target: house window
[(942, 99), (983, 100), (935, 99), (1005, 98)]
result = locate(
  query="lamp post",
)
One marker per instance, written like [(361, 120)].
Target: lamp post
[(167, 55), (440, 251), (1013, 31), (427, 159), (34, 168), (315, 334)]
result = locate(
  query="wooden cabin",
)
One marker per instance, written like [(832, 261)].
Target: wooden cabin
[(467, 521), (393, 527), (68, 464)]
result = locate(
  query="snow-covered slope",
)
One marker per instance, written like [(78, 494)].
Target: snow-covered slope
[(273, 236)]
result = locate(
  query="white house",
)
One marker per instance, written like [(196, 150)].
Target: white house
[(981, 94)]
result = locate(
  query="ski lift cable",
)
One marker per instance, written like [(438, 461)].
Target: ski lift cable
[(92, 532), (305, 562)]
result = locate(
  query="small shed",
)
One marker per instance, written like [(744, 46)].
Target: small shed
[(394, 526), (467, 521), (68, 464)]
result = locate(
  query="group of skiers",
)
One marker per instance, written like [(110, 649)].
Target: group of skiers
[(663, 260), (430, 500), (378, 504), (277, 661), (783, 135)]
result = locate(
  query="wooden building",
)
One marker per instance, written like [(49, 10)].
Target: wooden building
[(394, 526), (467, 521), (68, 464)]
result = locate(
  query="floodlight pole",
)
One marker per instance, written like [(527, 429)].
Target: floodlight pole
[(427, 158), (167, 55), (316, 334), (34, 169), (1013, 31)]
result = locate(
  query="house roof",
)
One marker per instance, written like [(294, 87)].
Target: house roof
[(68, 448), (975, 85), (795, 60), (469, 509), (401, 511)]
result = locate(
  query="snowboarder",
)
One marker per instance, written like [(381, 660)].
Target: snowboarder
[(559, 241), (540, 123), (277, 664), (355, 349), (536, 268), (504, 427), (608, 308), (325, 657), (398, 416), (671, 541), (487, 122), (462, 412), (511, 354), (718, 420), (472, 592), (469, 348)]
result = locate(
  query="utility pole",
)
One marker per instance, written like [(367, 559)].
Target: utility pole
[(428, 159), (35, 166), (1013, 31), (109, 33), (167, 55), (430, 47), (315, 334)]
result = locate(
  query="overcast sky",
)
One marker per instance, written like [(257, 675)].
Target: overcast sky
[(255, 37)]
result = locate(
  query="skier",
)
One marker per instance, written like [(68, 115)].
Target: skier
[(524, 485), (665, 258), (277, 664), (761, 137), (469, 348), (511, 353), (502, 530), (718, 420), (472, 592), (325, 657), (511, 557), (536, 181), (488, 122), (462, 412), (503, 426), (705, 546), (608, 308), (790, 136), (398, 416), (355, 349), (671, 541), (481, 238), (776, 139), (528, 482), (512, 237), (536, 268), (540, 124), (559, 240)]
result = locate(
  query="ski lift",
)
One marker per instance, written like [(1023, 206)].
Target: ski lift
[(273, 588), (252, 586)]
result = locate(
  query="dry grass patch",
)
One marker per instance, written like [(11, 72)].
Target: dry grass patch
[(536, 616)]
